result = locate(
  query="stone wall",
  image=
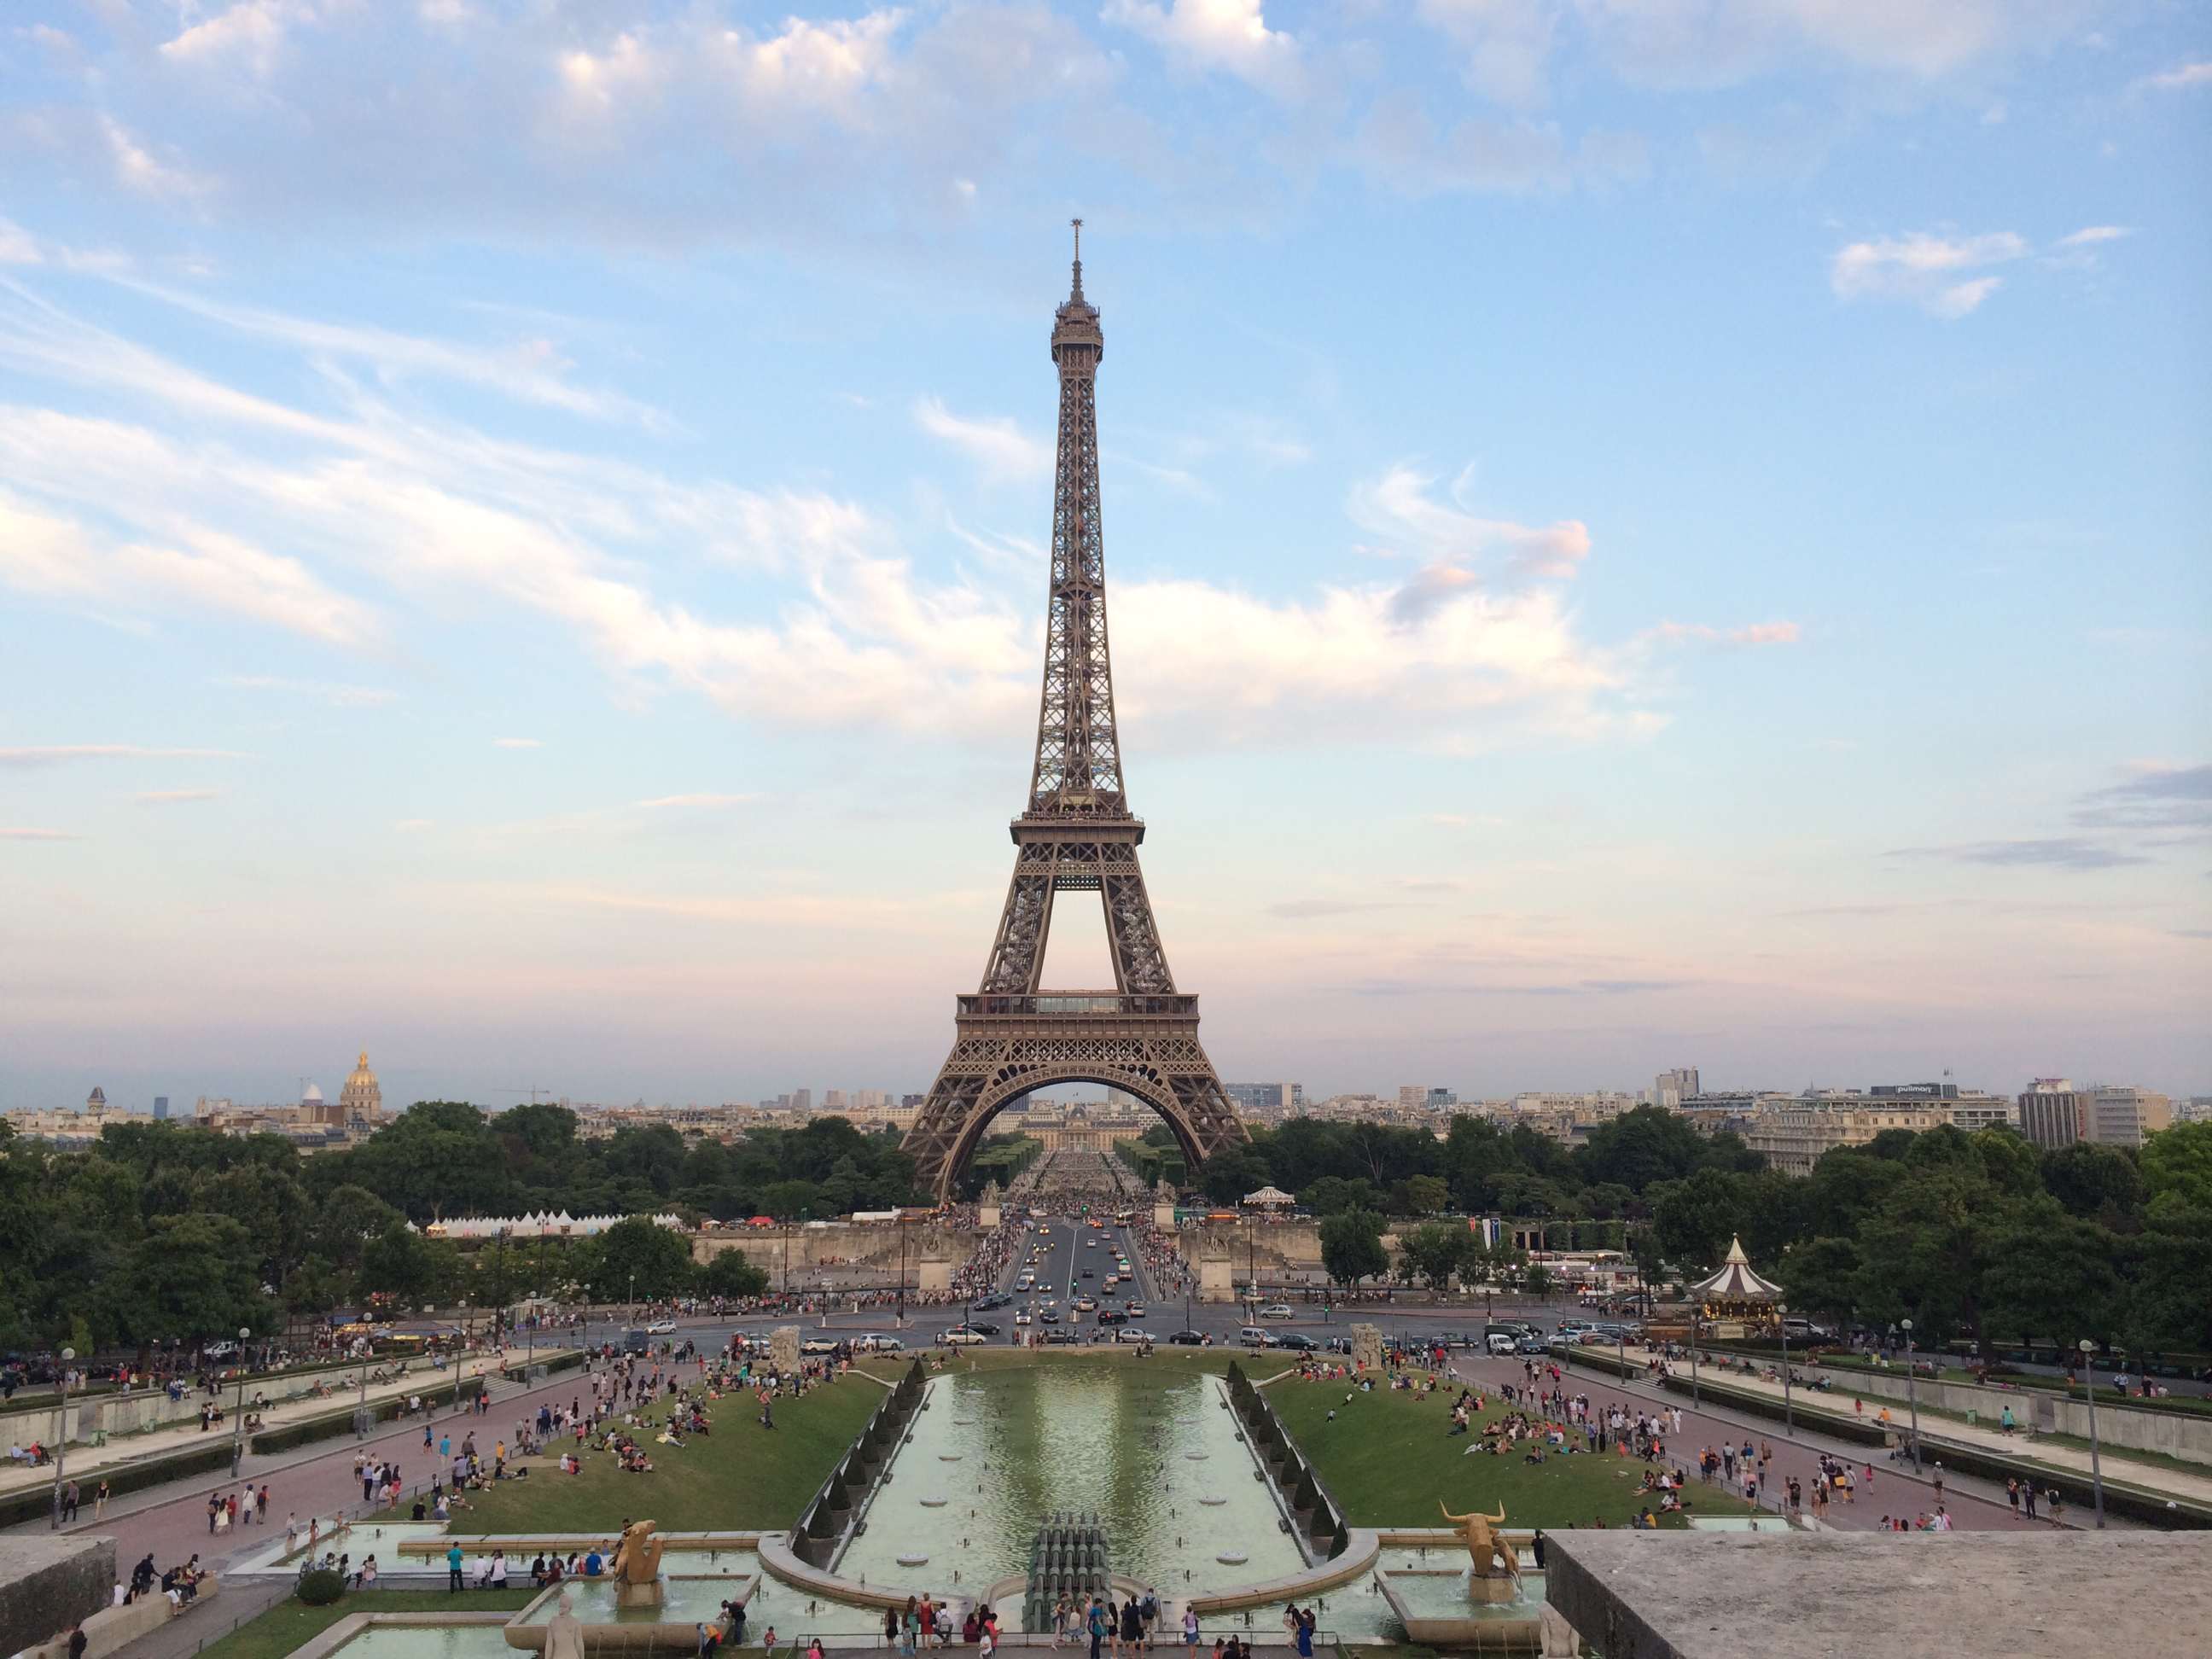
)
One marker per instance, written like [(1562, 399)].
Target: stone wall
[(2177, 1434), (854, 1252), (47, 1584)]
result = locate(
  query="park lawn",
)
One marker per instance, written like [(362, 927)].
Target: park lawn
[(292, 1622), (740, 1478), (1389, 1462)]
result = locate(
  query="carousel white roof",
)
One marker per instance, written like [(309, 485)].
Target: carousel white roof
[(1268, 1197), (1736, 1281)]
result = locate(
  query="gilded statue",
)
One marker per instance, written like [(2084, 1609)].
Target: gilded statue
[(1491, 1555), (637, 1558)]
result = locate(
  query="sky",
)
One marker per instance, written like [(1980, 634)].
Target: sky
[(1640, 534)]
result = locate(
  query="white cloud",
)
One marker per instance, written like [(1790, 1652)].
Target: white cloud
[(1765, 633), (1924, 269), (2184, 77), (1477, 644), (1508, 44), (139, 171), (247, 35), (59, 558), (343, 696), (516, 743), (63, 754), (1228, 36), (2090, 235), (176, 797), (1400, 146), (993, 442)]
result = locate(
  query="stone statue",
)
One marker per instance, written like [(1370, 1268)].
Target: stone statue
[(1367, 1347), (783, 1350), (564, 1636), (1493, 1557)]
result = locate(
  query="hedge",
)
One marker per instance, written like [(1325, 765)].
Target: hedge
[(120, 1478), (331, 1424)]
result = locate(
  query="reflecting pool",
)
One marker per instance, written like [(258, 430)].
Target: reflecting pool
[(1154, 1452)]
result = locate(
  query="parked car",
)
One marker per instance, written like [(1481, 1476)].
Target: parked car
[(1296, 1340), (1131, 1334), (960, 1336), (1187, 1340), (1252, 1337), (1503, 1342)]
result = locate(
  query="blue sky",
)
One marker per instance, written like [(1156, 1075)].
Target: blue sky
[(1640, 534)]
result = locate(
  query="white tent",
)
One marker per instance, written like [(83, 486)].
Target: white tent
[(1269, 1198)]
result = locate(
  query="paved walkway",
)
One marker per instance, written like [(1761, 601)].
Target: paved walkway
[(2119, 1464), (313, 1480), (1973, 1506), (84, 1464)]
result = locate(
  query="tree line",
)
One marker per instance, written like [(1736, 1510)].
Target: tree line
[(164, 1233), (1978, 1238)]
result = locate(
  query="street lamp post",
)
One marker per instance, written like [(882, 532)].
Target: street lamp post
[(587, 1319), (61, 1439), (1911, 1391), (1696, 1399), (1789, 1422), (238, 1416), (898, 1316), (2096, 1459)]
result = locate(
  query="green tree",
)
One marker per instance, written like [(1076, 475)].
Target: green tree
[(1420, 1195), (2177, 1166), (399, 1262), (1431, 1253), (192, 1279), (637, 1251), (2094, 1181), (1352, 1247), (1333, 1194), (728, 1274), (1821, 1276)]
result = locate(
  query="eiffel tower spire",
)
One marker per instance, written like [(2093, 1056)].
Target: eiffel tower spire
[(1079, 752), (1075, 836)]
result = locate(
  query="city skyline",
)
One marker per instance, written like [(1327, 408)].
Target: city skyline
[(1610, 568)]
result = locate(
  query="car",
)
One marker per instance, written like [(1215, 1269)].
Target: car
[(1187, 1340), (1134, 1309), (661, 1327), (1276, 1310), (820, 1345), (995, 1299), (874, 1342), (1048, 1317), (1084, 1304), (1252, 1337), (1338, 1344), (1296, 1340), (960, 1336), (986, 1326), (1109, 1316), (1500, 1342), (1086, 1272), (1061, 1336), (1023, 1317), (1131, 1334), (1090, 1244), (1534, 1345), (221, 1350)]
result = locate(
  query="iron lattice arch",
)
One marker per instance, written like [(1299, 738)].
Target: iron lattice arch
[(1077, 836)]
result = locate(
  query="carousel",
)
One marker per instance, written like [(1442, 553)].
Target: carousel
[(1735, 1302)]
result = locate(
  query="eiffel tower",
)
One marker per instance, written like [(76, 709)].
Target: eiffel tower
[(1077, 836)]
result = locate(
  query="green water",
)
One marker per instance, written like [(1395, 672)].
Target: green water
[(1143, 1449)]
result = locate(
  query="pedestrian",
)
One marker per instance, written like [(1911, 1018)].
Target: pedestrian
[(100, 1502), (1189, 1628), (453, 1558), (2028, 1497), (2012, 1493), (1099, 1625), (69, 1504), (214, 1509), (1939, 1482)]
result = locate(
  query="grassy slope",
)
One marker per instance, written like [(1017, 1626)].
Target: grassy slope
[(290, 1623), (1387, 1459), (740, 1476)]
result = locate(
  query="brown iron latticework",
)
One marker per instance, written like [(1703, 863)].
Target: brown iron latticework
[(1077, 836)]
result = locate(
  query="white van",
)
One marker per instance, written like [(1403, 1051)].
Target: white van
[(1252, 1337), (1499, 1343)]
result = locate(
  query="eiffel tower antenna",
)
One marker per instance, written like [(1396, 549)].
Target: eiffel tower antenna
[(1076, 835)]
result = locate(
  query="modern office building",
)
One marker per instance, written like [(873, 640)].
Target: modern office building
[(160, 1109), (2121, 1114), (2054, 1112), (1671, 1089)]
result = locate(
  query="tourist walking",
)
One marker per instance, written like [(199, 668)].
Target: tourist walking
[(100, 1502)]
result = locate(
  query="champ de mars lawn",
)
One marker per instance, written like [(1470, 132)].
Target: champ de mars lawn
[(1390, 1462)]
